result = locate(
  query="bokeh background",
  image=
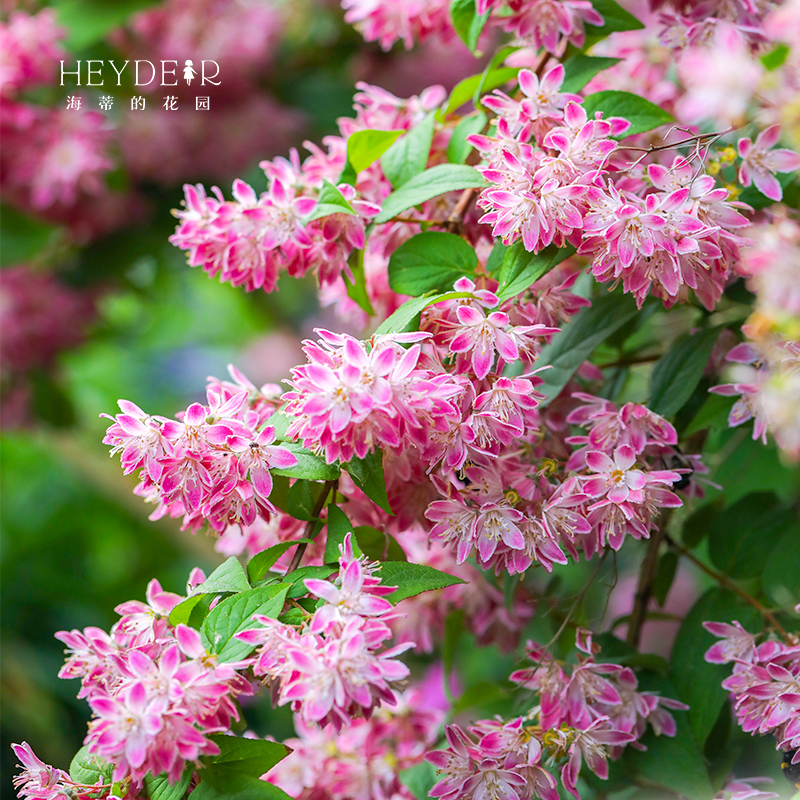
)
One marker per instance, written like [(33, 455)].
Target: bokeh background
[(95, 305)]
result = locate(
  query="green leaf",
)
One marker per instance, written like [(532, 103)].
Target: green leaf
[(357, 287), (570, 348), (378, 545), (408, 156), (697, 524), (404, 318), (775, 58), (419, 779), (743, 536), (220, 782), (467, 23), (677, 373), (338, 527), (433, 182), (712, 414), (227, 577), (158, 787), (673, 762), (665, 575), (309, 466), (465, 90), (251, 757), (22, 238), (367, 472), (580, 69), (87, 768), (413, 579), (521, 268), (235, 614), (302, 499), (88, 21), (430, 261), (642, 114), (330, 201), (364, 148), (183, 611), (496, 257), (297, 579), (458, 148), (698, 683), (260, 563), (615, 18), (781, 576)]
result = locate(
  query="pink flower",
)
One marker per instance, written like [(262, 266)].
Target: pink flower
[(616, 481), (760, 162), (737, 644)]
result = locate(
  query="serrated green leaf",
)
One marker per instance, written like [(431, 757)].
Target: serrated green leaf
[(403, 319), (309, 466), (158, 787), (430, 261), (413, 579), (297, 579), (357, 287), (365, 147), (301, 500), (408, 156), (742, 537), (465, 90), (235, 614), (677, 373), (432, 183), (252, 757), (87, 768), (642, 114), (615, 18), (338, 527), (712, 414), (698, 683), (220, 782), (330, 201), (467, 22), (570, 348), (458, 148), (520, 268), (378, 545), (227, 577), (580, 69), (182, 612), (367, 472), (260, 563)]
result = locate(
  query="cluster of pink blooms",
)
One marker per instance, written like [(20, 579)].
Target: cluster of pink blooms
[(765, 683), (154, 690), (363, 761), (335, 668), (551, 24), (586, 712), (212, 464), (658, 228)]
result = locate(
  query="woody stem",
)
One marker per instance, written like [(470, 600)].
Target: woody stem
[(328, 487)]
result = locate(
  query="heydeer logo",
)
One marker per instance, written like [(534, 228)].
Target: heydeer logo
[(144, 72)]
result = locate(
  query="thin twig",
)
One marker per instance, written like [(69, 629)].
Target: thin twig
[(455, 219), (724, 580), (644, 591), (316, 511)]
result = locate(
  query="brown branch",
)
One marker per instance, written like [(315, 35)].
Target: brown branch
[(644, 591), (328, 487), (455, 219), (727, 583)]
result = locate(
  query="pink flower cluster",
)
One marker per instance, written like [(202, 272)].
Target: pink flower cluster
[(589, 712), (558, 177), (212, 464), (334, 669), (389, 21), (765, 683), (512, 517), (154, 691), (364, 761), (31, 48), (40, 781)]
